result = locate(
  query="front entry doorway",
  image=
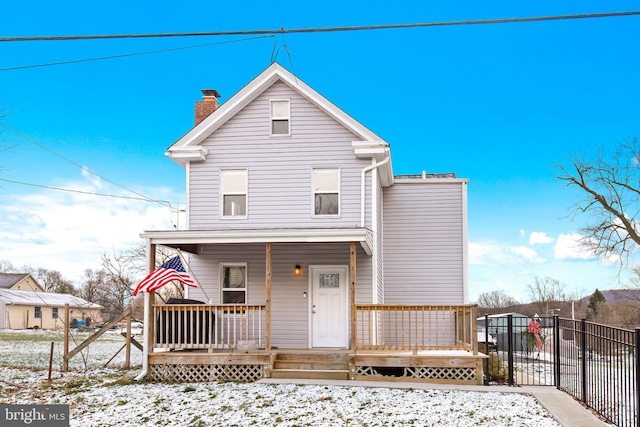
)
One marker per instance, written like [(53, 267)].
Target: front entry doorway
[(328, 306)]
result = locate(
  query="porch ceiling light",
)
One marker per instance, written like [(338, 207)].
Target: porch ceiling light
[(296, 270)]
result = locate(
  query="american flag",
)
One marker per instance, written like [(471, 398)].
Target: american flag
[(169, 271)]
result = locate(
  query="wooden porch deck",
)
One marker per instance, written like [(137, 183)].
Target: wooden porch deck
[(206, 342), (451, 367)]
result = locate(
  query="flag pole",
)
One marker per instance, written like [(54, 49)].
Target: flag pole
[(182, 257)]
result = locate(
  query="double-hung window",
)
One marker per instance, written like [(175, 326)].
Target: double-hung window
[(234, 193), (326, 191), (37, 314), (234, 283), (54, 312), (280, 117)]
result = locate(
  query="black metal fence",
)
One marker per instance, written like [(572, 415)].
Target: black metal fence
[(597, 364)]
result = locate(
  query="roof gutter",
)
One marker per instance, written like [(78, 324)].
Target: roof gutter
[(362, 182)]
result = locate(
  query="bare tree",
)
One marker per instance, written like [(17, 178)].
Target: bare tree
[(93, 286), (494, 300), (6, 267), (610, 199), (119, 280), (544, 291), (52, 281)]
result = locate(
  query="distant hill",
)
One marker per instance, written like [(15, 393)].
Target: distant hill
[(614, 296), (578, 310)]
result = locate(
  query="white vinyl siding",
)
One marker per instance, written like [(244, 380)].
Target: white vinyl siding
[(289, 305), (424, 250), (234, 193), (279, 169), (280, 117)]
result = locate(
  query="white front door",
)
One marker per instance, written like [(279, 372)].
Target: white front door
[(329, 308)]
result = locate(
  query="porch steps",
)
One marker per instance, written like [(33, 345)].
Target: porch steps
[(314, 365)]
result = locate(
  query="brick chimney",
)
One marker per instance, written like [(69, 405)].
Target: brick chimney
[(208, 105)]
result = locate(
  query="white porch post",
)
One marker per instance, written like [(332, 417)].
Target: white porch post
[(268, 297), (148, 311)]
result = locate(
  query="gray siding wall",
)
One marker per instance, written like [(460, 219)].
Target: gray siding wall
[(290, 309), (424, 242), (279, 168)]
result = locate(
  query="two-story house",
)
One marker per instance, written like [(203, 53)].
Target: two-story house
[(312, 259)]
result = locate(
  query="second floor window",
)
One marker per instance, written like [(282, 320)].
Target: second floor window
[(234, 193), (280, 117), (326, 191)]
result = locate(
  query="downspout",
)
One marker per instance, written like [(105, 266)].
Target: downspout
[(374, 272), (362, 183)]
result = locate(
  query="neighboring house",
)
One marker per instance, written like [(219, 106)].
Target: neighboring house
[(19, 282), (308, 251), (25, 305)]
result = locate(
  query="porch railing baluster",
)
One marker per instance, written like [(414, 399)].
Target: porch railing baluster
[(207, 326), (416, 327)]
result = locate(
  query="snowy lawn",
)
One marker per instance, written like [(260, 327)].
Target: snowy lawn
[(109, 397)]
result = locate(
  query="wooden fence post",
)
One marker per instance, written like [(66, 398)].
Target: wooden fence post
[(127, 354), (65, 359)]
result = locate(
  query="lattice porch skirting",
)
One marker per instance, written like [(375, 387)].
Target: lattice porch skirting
[(462, 374), (205, 373)]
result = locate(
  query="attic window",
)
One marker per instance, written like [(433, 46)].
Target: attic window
[(280, 117)]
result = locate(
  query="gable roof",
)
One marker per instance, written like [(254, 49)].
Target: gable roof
[(13, 297), (187, 148), (8, 280)]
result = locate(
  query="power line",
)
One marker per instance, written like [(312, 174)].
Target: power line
[(115, 196), (142, 196), (124, 55), (323, 29)]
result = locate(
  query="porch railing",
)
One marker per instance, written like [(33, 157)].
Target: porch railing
[(204, 326), (416, 327)]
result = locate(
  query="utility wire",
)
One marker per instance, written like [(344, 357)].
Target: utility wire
[(142, 196), (322, 29), (124, 55), (115, 196)]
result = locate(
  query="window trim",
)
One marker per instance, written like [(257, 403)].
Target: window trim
[(313, 193), (37, 312), (273, 117), (231, 193), (246, 282)]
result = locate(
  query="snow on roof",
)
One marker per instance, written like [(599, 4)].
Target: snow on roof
[(7, 280), (494, 316), (9, 296)]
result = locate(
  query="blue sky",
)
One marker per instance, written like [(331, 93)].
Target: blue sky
[(501, 105)]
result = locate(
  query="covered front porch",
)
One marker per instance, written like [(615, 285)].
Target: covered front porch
[(206, 342), (212, 341)]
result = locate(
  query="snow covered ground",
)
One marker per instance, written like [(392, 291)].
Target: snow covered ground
[(110, 397)]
